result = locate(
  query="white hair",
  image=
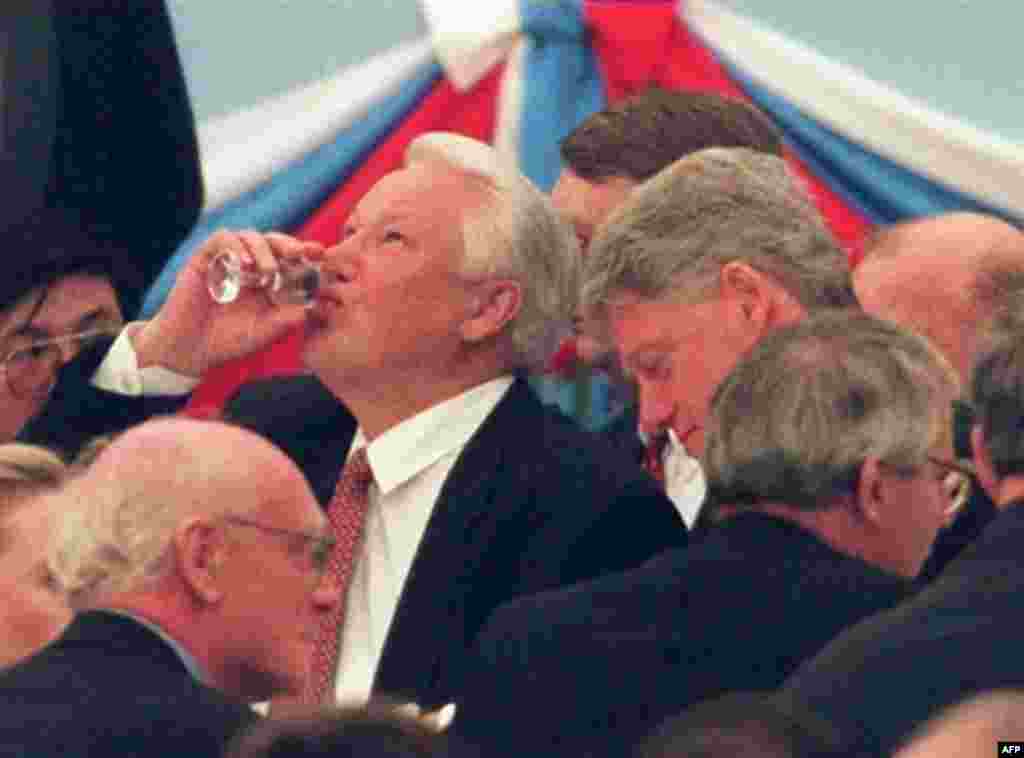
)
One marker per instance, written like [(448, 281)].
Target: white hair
[(118, 518), (517, 234)]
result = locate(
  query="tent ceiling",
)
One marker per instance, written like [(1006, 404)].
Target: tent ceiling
[(237, 52), (955, 56)]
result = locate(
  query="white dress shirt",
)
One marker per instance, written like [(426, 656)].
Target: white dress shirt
[(410, 463), (119, 372), (685, 483)]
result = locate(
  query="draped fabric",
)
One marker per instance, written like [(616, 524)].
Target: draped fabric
[(545, 65)]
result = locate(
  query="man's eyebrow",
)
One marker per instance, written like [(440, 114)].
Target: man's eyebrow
[(34, 332)]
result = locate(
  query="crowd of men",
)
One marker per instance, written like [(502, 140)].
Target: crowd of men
[(797, 539)]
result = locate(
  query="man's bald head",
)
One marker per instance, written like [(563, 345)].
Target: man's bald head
[(125, 507), (941, 276), (212, 534), (182, 453)]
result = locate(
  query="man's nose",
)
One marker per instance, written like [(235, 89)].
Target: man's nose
[(340, 261), (656, 410)]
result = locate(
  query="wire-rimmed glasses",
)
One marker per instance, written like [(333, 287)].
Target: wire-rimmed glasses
[(31, 367), (321, 545)]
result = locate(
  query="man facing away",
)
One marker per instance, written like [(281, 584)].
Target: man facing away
[(451, 278), (960, 635), (824, 449), (196, 585)]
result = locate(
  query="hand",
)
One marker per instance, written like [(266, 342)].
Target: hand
[(192, 334)]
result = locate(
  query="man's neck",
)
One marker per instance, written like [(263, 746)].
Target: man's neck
[(833, 525), (380, 407), (194, 656)]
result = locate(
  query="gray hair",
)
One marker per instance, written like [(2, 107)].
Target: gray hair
[(22, 464), (517, 234), (118, 518), (997, 388), (25, 471), (679, 228), (795, 420)]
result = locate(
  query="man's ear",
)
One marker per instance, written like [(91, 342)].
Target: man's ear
[(199, 550), (983, 467), (871, 493), (751, 294), (495, 303)]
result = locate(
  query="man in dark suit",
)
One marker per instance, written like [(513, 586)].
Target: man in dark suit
[(71, 370), (606, 156), (735, 221), (195, 586), (961, 635), (943, 277), (819, 520), (101, 181), (453, 275)]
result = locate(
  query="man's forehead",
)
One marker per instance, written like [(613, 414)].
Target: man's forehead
[(425, 188), (641, 324), (72, 304)]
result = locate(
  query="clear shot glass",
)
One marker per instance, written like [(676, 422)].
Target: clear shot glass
[(296, 281)]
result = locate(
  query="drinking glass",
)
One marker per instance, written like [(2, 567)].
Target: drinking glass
[(295, 282)]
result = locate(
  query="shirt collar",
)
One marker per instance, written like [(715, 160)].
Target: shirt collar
[(412, 446)]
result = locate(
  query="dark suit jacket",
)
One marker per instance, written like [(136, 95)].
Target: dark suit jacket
[(533, 502), (959, 636), (77, 411), (108, 687), (590, 669)]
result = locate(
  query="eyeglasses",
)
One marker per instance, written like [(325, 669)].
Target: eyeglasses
[(321, 546), (29, 367), (957, 483)]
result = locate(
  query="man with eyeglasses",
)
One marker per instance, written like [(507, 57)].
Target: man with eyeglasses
[(960, 635), (70, 367), (943, 277), (826, 452), (196, 587)]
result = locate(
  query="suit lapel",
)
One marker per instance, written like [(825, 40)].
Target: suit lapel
[(429, 625)]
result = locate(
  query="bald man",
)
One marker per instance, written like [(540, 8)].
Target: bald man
[(195, 585), (943, 277), (935, 275)]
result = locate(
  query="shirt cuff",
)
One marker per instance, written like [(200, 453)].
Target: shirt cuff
[(120, 373)]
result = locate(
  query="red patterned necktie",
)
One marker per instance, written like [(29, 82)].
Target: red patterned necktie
[(654, 457), (346, 514)]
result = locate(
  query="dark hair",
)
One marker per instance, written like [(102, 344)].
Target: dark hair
[(743, 725), (373, 731), (640, 136), (42, 250)]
